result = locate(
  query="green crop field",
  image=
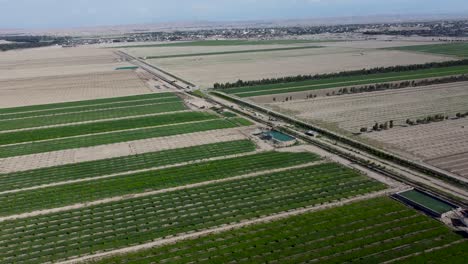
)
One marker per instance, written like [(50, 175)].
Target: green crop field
[(85, 103), (345, 81), (451, 49), (208, 43), (372, 231), (115, 137), (229, 52), (63, 195), (62, 119), (78, 232), (84, 170), (101, 127), (89, 108)]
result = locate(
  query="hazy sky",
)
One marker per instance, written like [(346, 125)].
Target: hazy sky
[(79, 13)]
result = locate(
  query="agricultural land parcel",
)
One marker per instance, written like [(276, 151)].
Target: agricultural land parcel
[(332, 57), (373, 231), (55, 74), (170, 173), (433, 143), (452, 49)]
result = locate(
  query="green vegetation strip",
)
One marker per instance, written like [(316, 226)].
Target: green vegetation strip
[(131, 111), (427, 201), (25, 179), (452, 49), (372, 231), (229, 52), (115, 137), (104, 227), (87, 191), (100, 127), (209, 43), (104, 106), (345, 81), (84, 103)]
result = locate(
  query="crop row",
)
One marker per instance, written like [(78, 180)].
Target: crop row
[(101, 127), (83, 170), (115, 137), (372, 231), (32, 108), (66, 119), (63, 195), (345, 81), (134, 221), (90, 108)]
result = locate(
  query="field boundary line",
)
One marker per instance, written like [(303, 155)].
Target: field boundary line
[(220, 229), (92, 121), (130, 172), (346, 82), (461, 240), (69, 107), (144, 194), (90, 111), (87, 154), (109, 132)]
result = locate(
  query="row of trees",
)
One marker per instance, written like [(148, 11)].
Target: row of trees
[(25, 42), (426, 120), (298, 78)]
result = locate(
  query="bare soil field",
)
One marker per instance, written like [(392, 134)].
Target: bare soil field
[(442, 144), (176, 50), (207, 70), (53, 89), (53, 61), (352, 112)]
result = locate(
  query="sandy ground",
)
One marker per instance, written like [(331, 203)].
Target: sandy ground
[(207, 70), (165, 51), (43, 90), (351, 112)]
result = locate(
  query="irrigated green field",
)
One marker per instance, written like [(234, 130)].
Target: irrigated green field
[(452, 49), (95, 189), (132, 221), (374, 231), (345, 81)]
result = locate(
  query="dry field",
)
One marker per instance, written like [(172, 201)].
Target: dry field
[(207, 70), (176, 50), (42, 90), (56, 74), (433, 143)]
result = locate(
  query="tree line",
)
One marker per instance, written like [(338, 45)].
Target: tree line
[(25, 42), (299, 78)]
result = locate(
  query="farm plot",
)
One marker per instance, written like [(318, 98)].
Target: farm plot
[(114, 137), (313, 85), (373, 231), (95, 189), (134, 221), (452, 49), (65, 88), (207, 70), (84, 170), (102, 127), (94, 116), (86, 105), (352, 112)]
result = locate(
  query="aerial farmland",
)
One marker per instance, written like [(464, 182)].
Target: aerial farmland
[(105, 157)]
